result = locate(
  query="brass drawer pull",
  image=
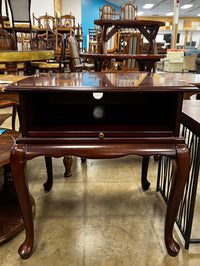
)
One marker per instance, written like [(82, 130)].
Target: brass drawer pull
[(101, 135)]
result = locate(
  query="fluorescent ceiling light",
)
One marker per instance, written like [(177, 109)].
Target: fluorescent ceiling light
[(148, 6), (170, 14), (198, 15), (186, 6), (140, 13)]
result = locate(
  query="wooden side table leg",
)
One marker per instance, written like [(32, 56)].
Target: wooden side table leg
[(18, 165), (144, 181), (49, 183), (180, 177), (68, 161)]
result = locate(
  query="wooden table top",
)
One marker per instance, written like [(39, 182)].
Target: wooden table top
[(131, 23), (9, 97), (100, 81), (11, 78), (123, 56), (24, 56)]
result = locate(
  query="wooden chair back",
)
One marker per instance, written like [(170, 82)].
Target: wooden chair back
[(132, 45), (128, 11), (21, 18), (6, 41), (4, 19), (75, 57), (93, 40), (45, 22), (67, 21), (108, 12)]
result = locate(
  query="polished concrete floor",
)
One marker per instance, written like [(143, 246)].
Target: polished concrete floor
[(100, 216)]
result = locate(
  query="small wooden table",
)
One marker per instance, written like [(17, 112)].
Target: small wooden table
[(137, 113)]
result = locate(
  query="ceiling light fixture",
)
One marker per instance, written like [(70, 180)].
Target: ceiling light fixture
[(170, 14), (186, 6), (198, 15), (148, 6)]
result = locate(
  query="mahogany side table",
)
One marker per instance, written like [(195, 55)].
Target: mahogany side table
[(100, 115)]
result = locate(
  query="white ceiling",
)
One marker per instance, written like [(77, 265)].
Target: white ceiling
[(161, 7)]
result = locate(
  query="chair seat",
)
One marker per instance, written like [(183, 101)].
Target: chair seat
[(50, 65), (7, 24), (2, 66), (87, 65)]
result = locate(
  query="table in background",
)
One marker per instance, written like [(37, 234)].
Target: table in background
[(26, 57), (137, 113), (145, 61), (147, 28)]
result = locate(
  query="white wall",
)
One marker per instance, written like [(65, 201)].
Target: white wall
[(40, 7), (73, 6)]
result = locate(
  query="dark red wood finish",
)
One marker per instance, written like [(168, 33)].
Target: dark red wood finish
[(138, 113)]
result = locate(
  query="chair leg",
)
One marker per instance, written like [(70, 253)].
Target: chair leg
[(144, 181), (49, 183), (14, 113), (67, 161)]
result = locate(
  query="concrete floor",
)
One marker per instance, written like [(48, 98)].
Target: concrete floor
[(100, 216)]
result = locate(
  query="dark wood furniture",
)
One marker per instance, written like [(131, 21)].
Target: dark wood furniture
[(136, 113), (145, 61), (9, 100), (190, 130), (189, 78), (11, 221), (147, 28)]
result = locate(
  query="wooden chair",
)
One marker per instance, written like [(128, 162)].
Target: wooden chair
[(93, 41), (57, 65), (128, 11), (132, 45), (4, 19), (7, 43), (21, 18), (78, 34), (108, 12), (46, 26), (65, 24), (77, 64), (67, 21)]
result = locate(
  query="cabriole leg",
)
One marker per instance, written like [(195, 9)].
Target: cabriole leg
[(180, 177), (18, 167)]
